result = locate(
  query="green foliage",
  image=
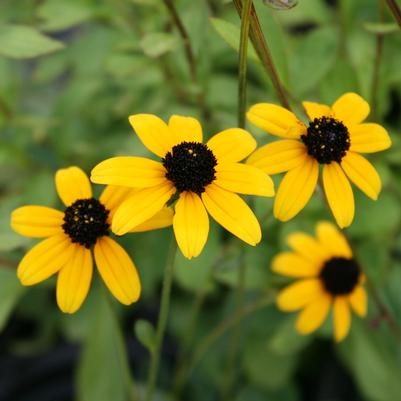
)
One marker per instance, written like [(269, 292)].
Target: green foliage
[(94, 64), (18, 41)]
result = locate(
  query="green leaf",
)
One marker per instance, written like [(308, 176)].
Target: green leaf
[(371, 358), (381, 28), (145, 333), (103, 373), (231, 33), (20, 42), (313, 58), (60, 15), (156, 44), (10, 292)]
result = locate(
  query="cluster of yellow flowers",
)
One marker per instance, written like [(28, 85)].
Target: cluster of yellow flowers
[(192, 180)]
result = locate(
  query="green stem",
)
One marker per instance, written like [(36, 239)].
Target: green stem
[(263, 52), (224, 326), (377, 62), (395, 9), (162, 322), (185, 38), (234, 342), (242, 67)]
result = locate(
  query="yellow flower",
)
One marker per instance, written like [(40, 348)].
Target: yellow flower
[(71, 234), (328, 276), (205, 176), (334, 138)]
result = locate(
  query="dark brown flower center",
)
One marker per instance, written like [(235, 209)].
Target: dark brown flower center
[(327, 140), (190, 166), (340, 275), (85, 221)]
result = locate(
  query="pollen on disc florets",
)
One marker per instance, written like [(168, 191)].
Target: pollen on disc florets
[(85, 221), (340, 275), (327, 140), (190, 166)]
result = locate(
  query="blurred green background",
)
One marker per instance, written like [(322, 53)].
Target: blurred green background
[(71, 71)]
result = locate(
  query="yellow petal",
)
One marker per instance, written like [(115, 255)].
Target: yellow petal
[(313, 315), (307, 247), (339, 194), (276, 120), (153, 133), (359, 301), (341, 318), (369, 138), (333, 240), (162, 219), (72, 184), (295, 190), (74, 280), (351, 109), (185, 129), (292, 265), (117, 270), (191, 224), (141, 206), (37, 221), (299, 294), (316, 110), (232, 145), (243, 179), (229, 210), (45, 259), (362, 174), (133, 172), (112, 197), (279, 156)]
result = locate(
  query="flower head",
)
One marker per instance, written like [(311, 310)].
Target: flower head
[(206, 178), (72, 234), (334, 138), (328, 276)]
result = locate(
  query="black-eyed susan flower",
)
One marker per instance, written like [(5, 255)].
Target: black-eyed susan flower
[(334, 138), (72, 234), (328, 276), (206, 178)]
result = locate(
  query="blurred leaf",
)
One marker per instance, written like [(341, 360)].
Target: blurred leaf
[(58, 15), (314, 56), (266, 368), (372, 362), (231, 35), (381, 29), (103, 372), (10, 292), (375, 218), (156, 44), (145, 333), (19, 41)]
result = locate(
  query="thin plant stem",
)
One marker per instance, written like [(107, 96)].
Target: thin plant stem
[(378, 59), (121, 354), (234, 341), (242, 63), (189, 54), (185, 38), (395, 9), (262, 49), (207, 342), (162, 322)]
